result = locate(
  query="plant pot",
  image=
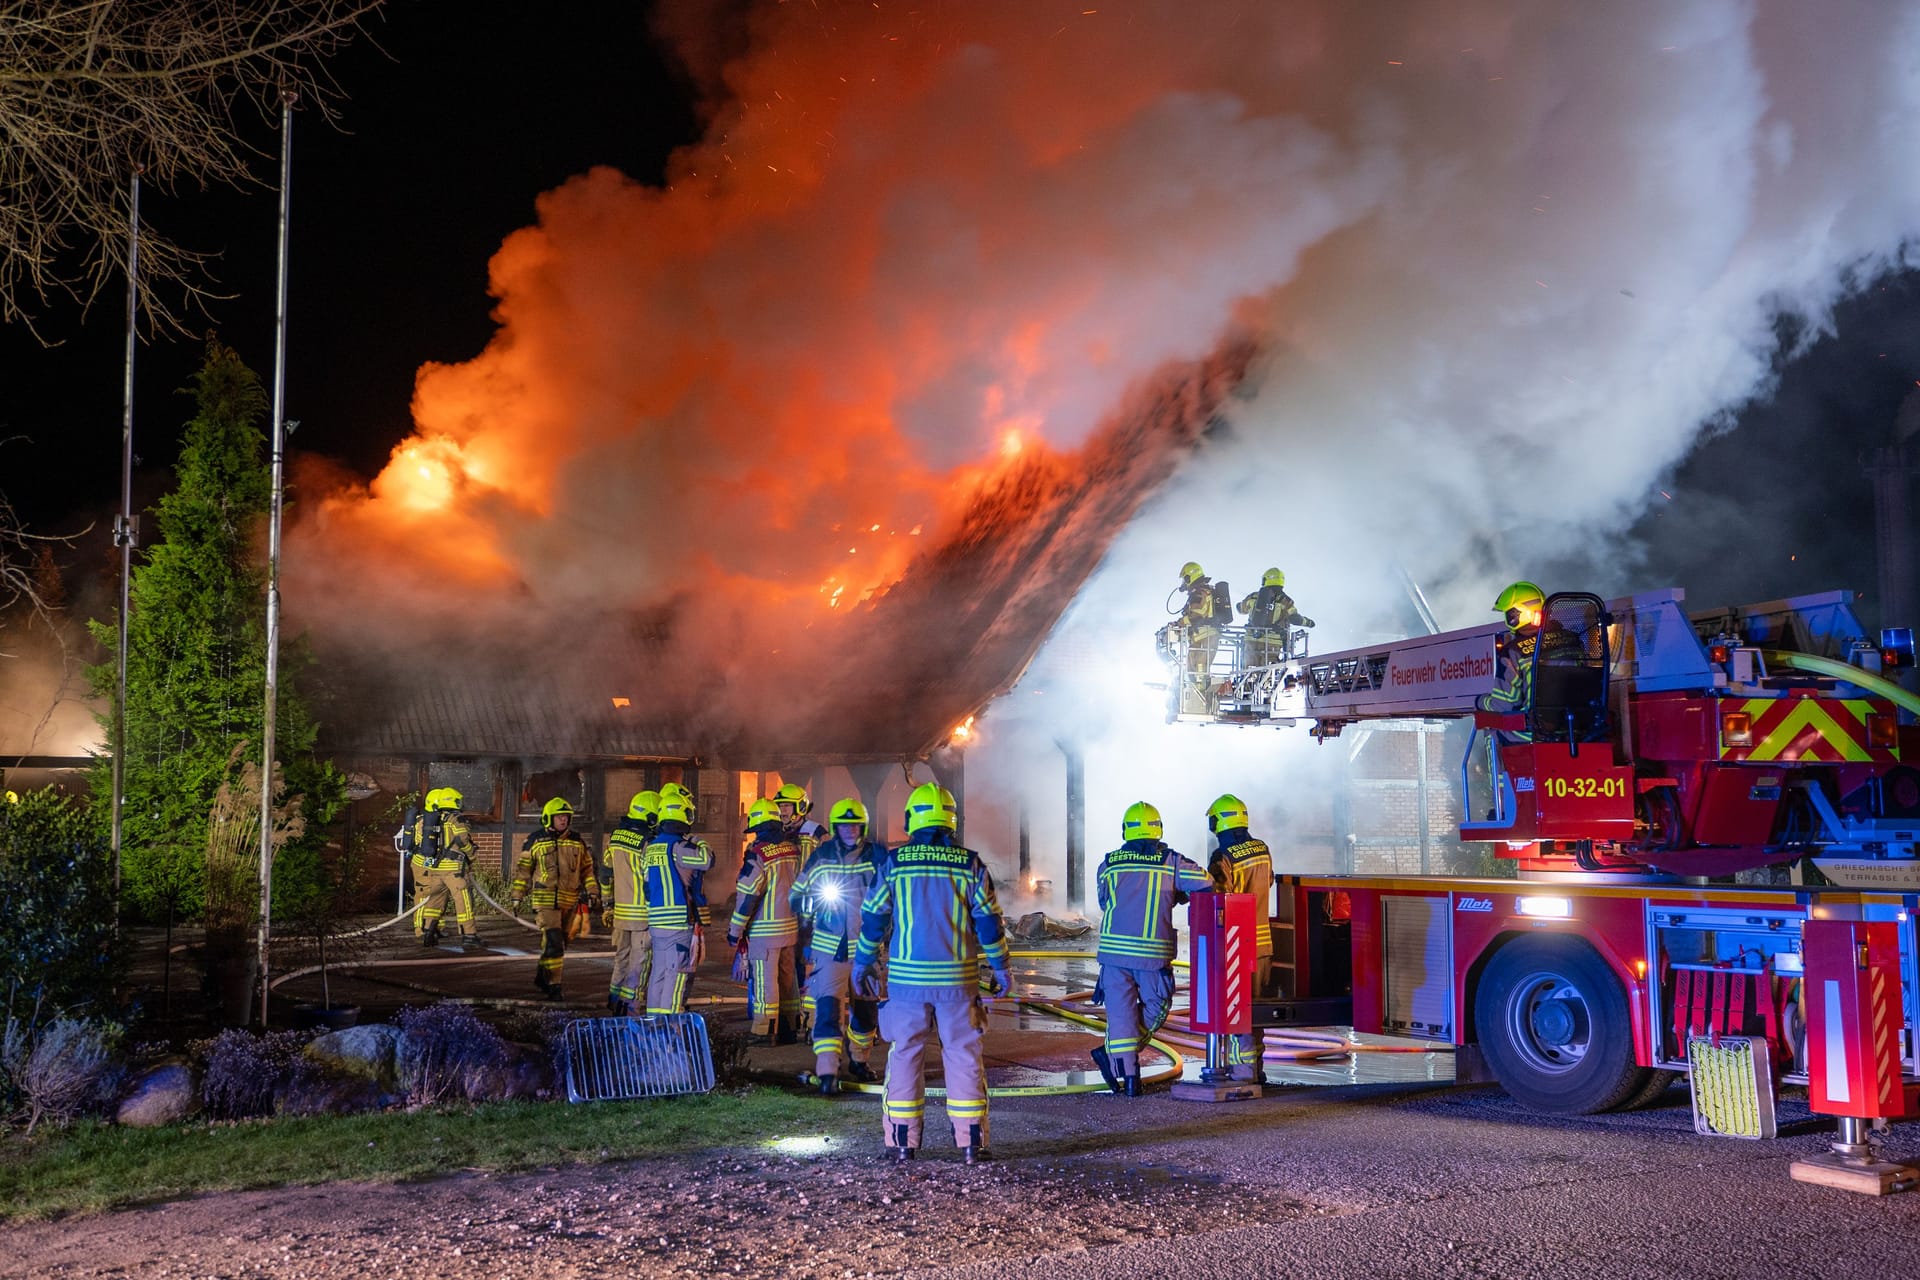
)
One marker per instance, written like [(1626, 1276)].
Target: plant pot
[(334, 1019)]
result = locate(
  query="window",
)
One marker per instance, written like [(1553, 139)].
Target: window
[(479, 796), (568, 784)]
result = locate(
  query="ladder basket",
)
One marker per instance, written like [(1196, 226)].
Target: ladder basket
[(655, 1056)]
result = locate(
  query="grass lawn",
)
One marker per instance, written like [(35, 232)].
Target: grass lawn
[(94, 1166)]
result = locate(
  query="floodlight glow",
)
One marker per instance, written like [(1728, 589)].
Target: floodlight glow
[(1548, 908)]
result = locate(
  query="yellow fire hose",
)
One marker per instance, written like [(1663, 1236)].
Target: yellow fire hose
[(1844, 671)]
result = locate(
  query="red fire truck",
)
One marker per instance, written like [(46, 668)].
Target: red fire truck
[(1663, 751)]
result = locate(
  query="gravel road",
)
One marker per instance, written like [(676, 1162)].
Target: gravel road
[(1348, 1182)]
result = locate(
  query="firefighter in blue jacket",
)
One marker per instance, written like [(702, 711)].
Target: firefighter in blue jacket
[(1139, 885), (937, 899), (676, 907), (827, 900)]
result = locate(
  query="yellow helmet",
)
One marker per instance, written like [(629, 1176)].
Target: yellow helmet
[(761, 812), (431, 800), (1227, 813), (449, 799), (1521, 603), (1273, 578), (847, 812), (676, 804), (931, 805), (553, 809), (645, 806), (1191, 572), (796, 795), (1142, 822)]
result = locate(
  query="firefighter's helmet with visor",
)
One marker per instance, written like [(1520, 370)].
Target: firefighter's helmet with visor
[(1141, 822)]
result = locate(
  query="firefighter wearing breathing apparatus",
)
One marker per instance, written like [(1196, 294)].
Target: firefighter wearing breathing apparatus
[(765, 928), (676, 903), (1206, 608), (623, 884), (443, 848), (1271, 617), (1139, 884), (937, 900), (1242, 864), (827, 900), (554, 871)]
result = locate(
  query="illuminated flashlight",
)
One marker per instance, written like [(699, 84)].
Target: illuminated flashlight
[(830, 893)]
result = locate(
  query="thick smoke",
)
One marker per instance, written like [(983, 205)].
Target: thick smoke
[(1506, 264)]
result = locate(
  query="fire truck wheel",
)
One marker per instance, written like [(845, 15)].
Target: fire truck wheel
[(1552, 1021)]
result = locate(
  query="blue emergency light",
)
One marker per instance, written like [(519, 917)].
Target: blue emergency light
[(1896, 646)]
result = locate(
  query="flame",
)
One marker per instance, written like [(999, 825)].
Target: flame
[(962, 733)]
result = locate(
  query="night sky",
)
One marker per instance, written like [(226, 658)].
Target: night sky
[(468, 109)]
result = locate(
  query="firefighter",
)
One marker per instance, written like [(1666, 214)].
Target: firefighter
[(1242, 864), (676, 903), (764, 925), (623, 885), (795, 805), (827, 900), (1201, 615), (554, 870), (1139, 884), (937, 899), (1271, 618), (443, 846), (417, 866), (1523, 606)]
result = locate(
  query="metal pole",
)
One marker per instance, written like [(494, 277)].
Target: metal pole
[(123, 536), (1076, 825), (273, 555)]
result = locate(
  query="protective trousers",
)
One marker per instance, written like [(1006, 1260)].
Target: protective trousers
[(773, 988), (632, 958), (1245, 1054), (907, 1020), (839, 1020), (1138, 1001), (444, 887), (671, 968), (1197, 694), (553, 947)]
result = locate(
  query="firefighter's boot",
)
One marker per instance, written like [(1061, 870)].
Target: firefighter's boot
[(430, 936), (901, 1137), (975, 1151), (1102, 1061), (471, 941), (1133, 1085), (786, 1030), (829, 1085), (861, 1071)]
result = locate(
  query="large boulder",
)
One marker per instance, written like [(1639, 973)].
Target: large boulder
[(164, 1094), (519, 1073), (317, 1092), (366, 1052)]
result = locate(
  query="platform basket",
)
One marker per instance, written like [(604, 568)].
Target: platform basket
[(655, 1056)]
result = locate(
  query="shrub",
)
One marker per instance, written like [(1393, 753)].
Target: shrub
[(544, 1027), (56, 933), (729, 1049), (242, 1073), (64, 1070), (440, 1044)]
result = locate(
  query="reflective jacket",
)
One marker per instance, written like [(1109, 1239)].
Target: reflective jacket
[(626, 875), (675, 863), (554, 868), (828, 894), (1136, 887), (1244, 865), (762, 908), (938, 899), (1272, 607), (442, 842)]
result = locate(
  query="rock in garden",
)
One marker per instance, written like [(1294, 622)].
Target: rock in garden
[(160, 1095), (367, 1052)]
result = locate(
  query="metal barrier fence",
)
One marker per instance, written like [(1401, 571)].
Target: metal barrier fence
[(655, 1056)]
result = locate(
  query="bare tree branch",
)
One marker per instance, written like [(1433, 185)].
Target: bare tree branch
[(93, 92)]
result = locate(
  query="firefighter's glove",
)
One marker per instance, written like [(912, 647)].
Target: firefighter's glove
[(1099, 995), (866, 981), (1306, 622), (606, 917), (1000, 984), (733, 940), (518, 905)]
